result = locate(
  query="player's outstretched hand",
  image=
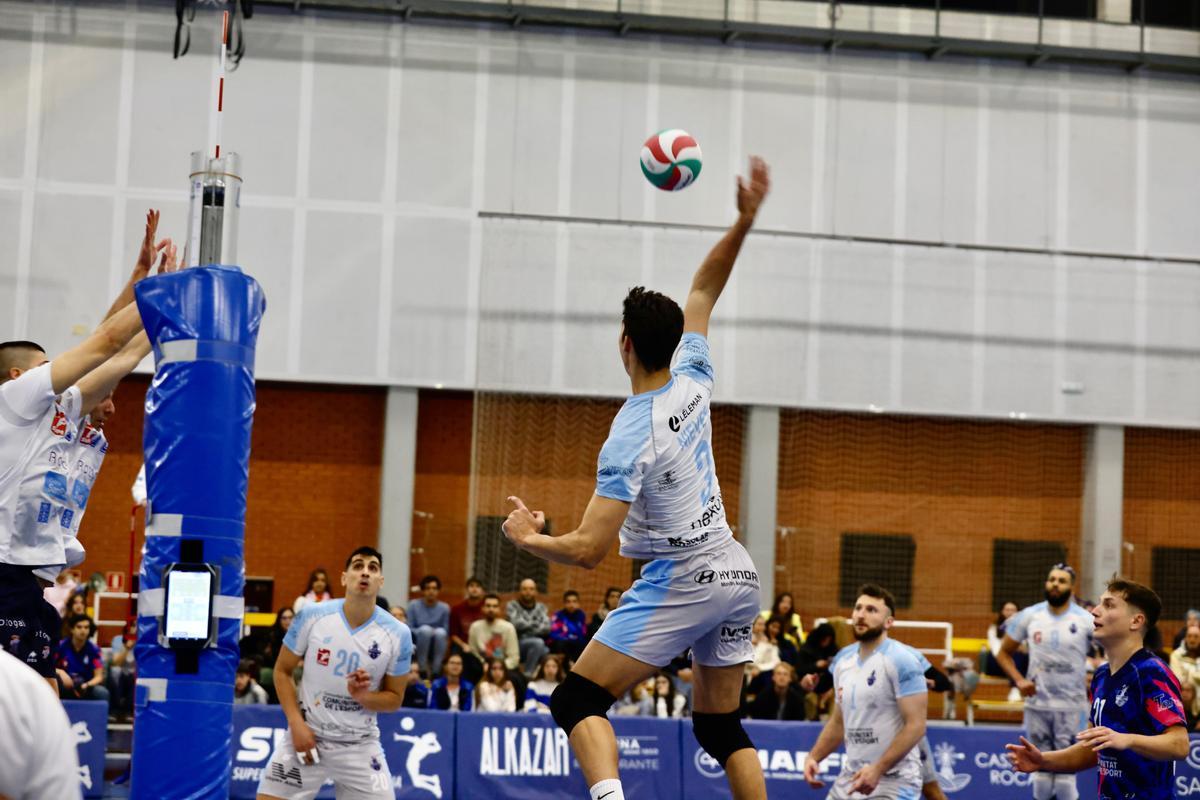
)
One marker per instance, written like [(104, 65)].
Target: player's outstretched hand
[(358, 683), (1101, 738), (751, 191), (866, 779), (522, 523), (169, 262), (148, 251), (1025, 757), (811, 770)]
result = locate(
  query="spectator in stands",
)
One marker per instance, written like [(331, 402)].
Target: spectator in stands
[(783, 699), (766, 656), (416, 694), (246, 691), (496, 691), (493, 637), (399, 613), (532, 622), (665, 702), (1192, 618), (612, 598), (1191, 706), (463, 616), (787, 646), (995, 635), (1185, 659), (79, 664), (317, 591), (568, 628), (451, 692), (549, 675), (122, 672), (77, 606), (429, 620), (814, 659), (784, 607)]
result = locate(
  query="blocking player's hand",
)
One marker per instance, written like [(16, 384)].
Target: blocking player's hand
[(811, 770), (1025, 757), (358, 683), (304, 742), (169, 262), (148, 251), (866, 779), (751, 191), (1027, 688), (1101, 738), (522, 523)]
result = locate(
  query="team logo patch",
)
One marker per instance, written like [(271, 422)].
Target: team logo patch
[(58, 426), (1122, 696), (374, 651), (323, 657), (376, 764), (1074, 628), (871, 678), (705, 576)]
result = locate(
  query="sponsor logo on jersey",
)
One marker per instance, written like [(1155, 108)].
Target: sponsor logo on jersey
[(1037, 637), (58, 425), (681, 542), (676, 422), (323, 657), (735, 634), (89, 435), (705, 576), (666, 481)]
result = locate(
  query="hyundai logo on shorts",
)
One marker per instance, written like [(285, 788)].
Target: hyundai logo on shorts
[(706, 576)]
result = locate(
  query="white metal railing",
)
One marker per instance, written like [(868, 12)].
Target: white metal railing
[(947, 648), (99, 597)]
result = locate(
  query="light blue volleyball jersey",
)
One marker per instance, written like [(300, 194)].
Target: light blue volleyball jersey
[(658, 457), (1058, 650)]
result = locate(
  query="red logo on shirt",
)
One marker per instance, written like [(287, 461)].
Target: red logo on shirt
[(90, 435), (1037, 637), (59, 426), (323, 658)]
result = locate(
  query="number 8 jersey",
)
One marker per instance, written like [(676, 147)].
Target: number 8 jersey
[(332, 650), (658, 457)]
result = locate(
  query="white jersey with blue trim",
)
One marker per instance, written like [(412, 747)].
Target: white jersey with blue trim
[(332, 650), (658, 457), (1058, 651), (38, 432), (867, 692)]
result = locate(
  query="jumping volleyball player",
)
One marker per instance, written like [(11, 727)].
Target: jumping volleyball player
[(656, 486)]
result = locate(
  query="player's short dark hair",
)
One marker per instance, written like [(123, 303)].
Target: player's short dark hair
[(654, 323), (570, 593), (475, 581), (1141, 597), (75, 619), (1062, 566), (491, 596), (879, 593), (428, 579), (14, 353), (365, 550), (247, 667)]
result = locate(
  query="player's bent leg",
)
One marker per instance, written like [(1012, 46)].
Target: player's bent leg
[(285, 779), (581, 701), (717, 725)]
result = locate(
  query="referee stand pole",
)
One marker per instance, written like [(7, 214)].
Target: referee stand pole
[(131, 608)]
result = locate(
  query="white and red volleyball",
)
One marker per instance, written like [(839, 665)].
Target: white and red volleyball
[(671, 160)]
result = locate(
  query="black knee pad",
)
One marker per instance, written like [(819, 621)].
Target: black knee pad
[(576, 699), (721, 735)]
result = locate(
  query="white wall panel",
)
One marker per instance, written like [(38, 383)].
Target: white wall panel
[(490, 121)]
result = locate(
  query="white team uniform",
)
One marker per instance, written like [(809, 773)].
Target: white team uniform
[(91, 447), (924, 753), (700, 589), (867, 693), (1058, 649), (347, 734), (40, 759), (38, 434)]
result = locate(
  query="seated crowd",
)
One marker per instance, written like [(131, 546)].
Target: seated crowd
[(483, 654)]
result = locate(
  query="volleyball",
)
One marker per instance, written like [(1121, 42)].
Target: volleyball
[(671, 160)]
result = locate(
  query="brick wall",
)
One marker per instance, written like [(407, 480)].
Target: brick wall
[(315, 461)]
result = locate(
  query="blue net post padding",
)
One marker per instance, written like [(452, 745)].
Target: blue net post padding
[(203, 323)]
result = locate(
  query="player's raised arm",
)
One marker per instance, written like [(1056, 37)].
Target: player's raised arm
[(714, 272), (98, 383)]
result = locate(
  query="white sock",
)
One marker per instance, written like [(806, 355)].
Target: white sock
[(608, 790)]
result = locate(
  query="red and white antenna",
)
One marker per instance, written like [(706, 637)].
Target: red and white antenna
[(221, 77)]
